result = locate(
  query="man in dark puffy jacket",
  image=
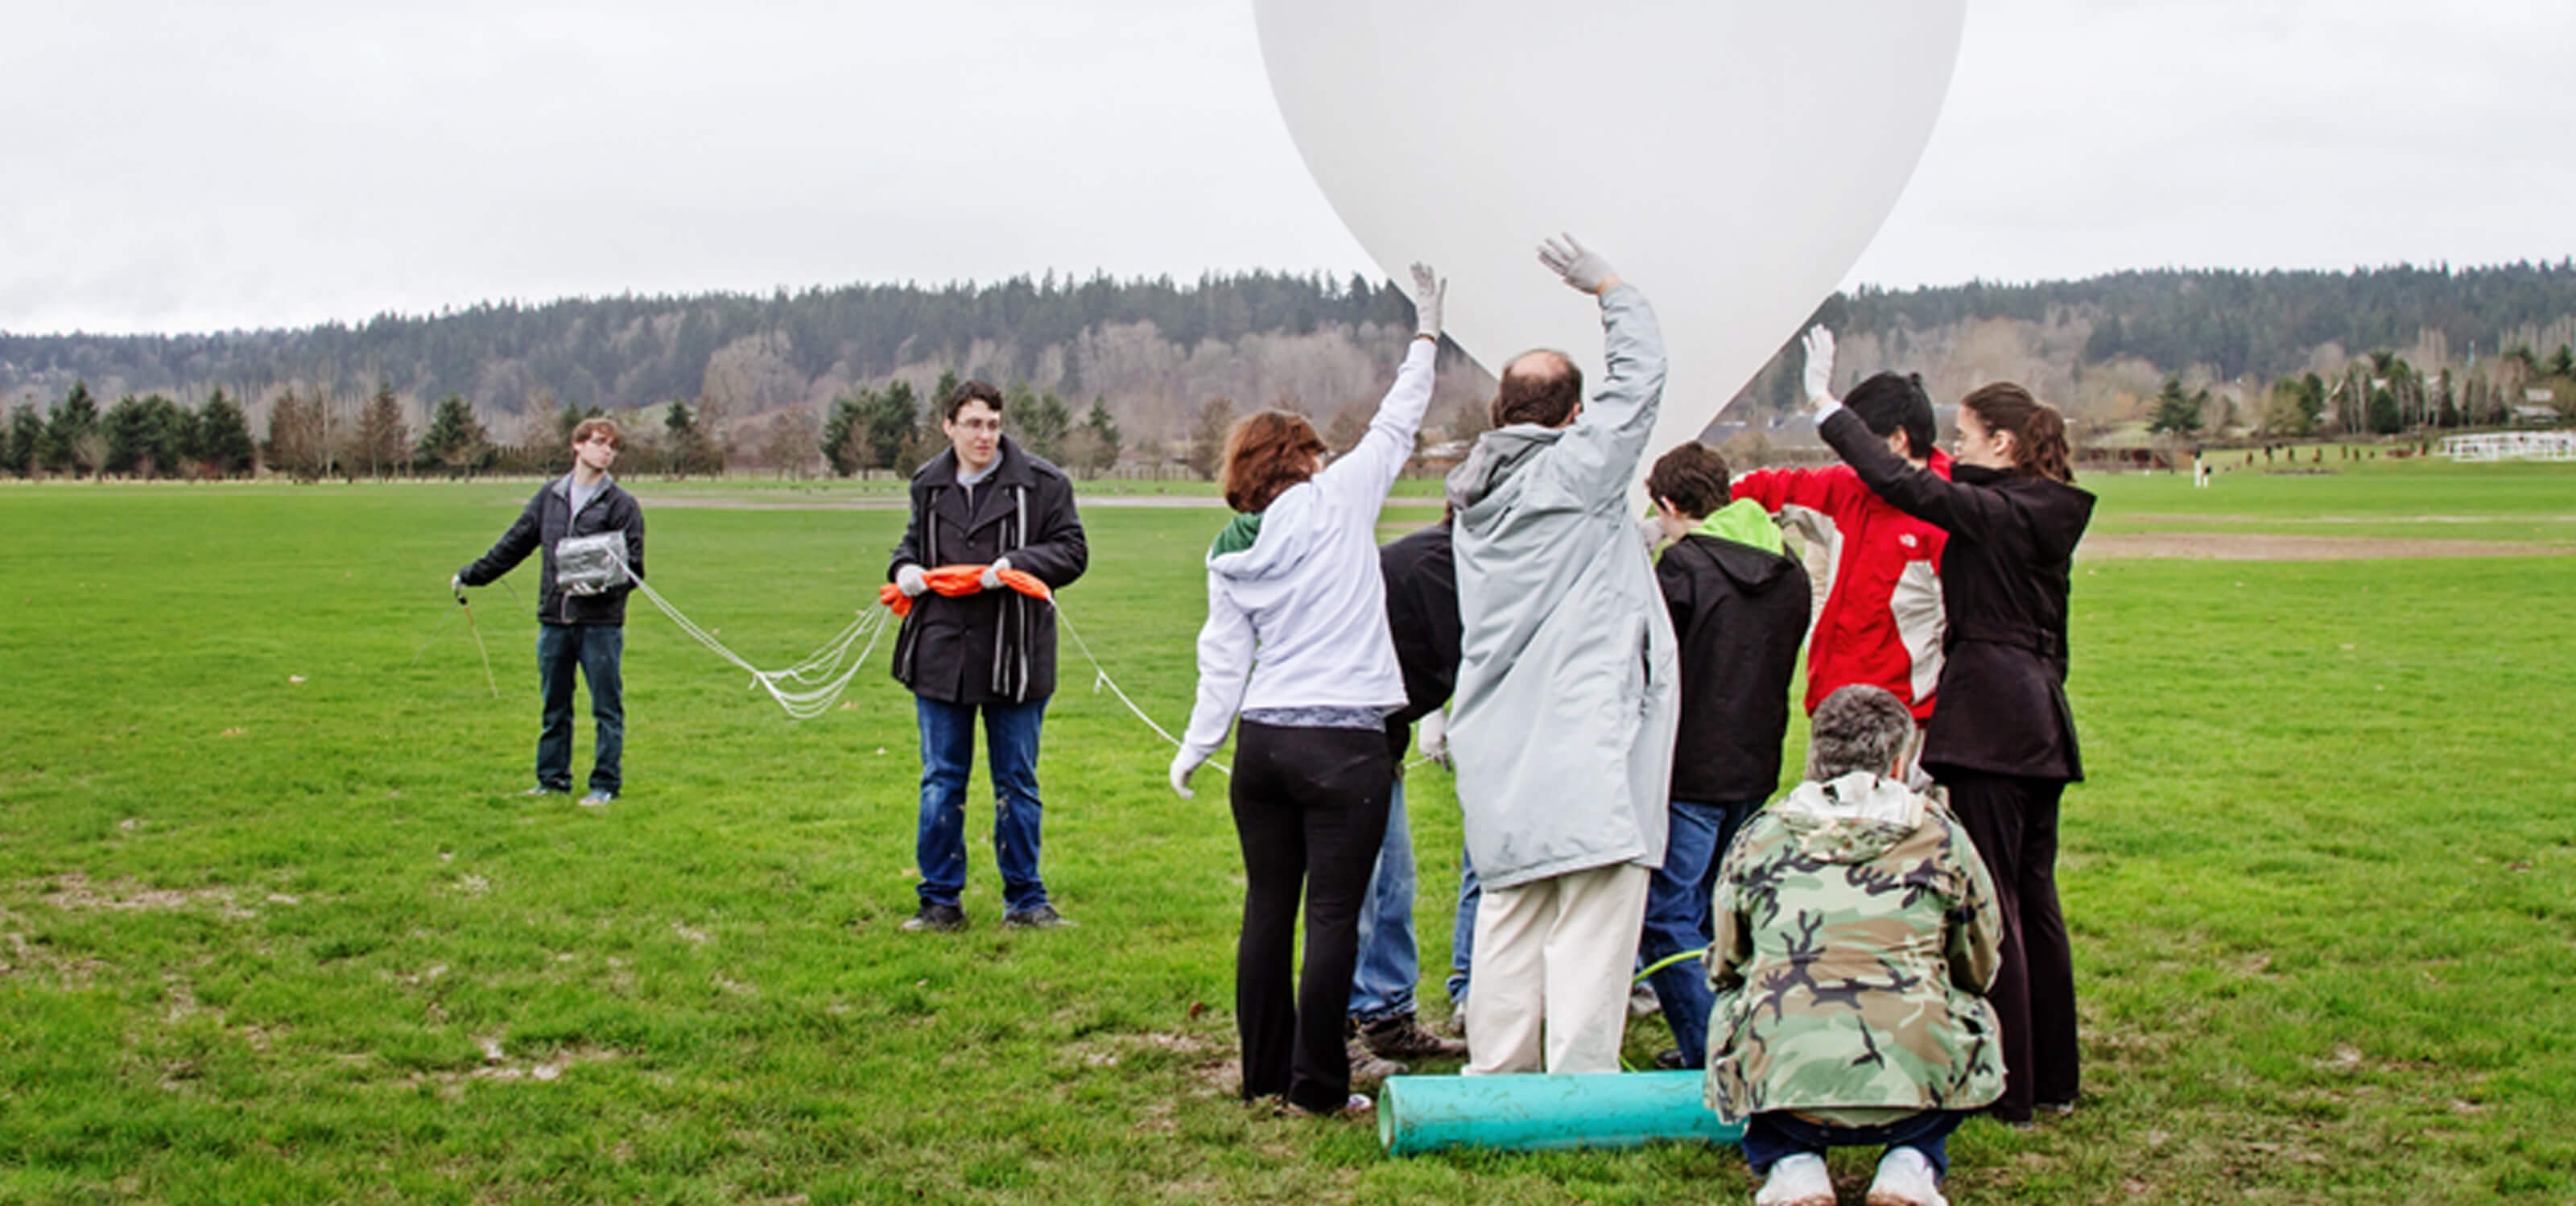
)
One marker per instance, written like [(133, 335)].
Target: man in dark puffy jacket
[(583, 625), (985, 501), (1739, 607)]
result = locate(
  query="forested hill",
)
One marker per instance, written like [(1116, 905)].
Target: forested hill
[(1156, 351)]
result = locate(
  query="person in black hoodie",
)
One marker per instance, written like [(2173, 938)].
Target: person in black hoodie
[(584, 629), (1739, 605), (2002, 738), (985, 501)]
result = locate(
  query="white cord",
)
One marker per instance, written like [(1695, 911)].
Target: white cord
[(821, 674), (1101, 679)]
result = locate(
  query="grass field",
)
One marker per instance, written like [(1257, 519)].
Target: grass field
[(275, 924)]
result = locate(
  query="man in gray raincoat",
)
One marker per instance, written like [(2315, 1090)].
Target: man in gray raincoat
[(1566, 700)]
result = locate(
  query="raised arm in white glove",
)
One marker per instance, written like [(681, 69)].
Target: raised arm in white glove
[(1580, 266), (1183, 765), (1428, 292), (1819, 346), (992, 579), (910, 582)]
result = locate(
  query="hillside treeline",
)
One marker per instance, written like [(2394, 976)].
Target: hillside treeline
[(764, 380)]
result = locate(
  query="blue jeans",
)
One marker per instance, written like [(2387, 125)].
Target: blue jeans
[(1462, 935), (1382, 988), (1677, 920), (1770, 1135), (596, 650), (947, 757)]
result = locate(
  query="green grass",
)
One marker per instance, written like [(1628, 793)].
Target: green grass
[(262, 937)]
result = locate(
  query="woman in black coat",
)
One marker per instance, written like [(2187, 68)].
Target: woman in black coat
[(2002, 740)]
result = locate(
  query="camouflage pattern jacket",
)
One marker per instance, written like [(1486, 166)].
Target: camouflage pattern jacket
[(1856, 935)]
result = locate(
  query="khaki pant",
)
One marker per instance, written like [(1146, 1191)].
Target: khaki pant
[(1553, 958)]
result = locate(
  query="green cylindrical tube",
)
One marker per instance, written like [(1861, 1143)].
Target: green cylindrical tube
[(1532, 1113)]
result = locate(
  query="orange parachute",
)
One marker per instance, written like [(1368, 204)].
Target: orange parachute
[(959, 580)]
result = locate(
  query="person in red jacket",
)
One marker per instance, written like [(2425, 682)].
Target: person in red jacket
[(1881, 624)]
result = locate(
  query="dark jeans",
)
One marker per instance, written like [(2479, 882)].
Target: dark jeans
[(1773, 1134), (1462, 935), (595, 648), (1382, 986), (1677, 917), (2013, 822), (1310, 809), (947, 758)]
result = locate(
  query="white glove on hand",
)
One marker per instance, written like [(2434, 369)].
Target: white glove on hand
[(1435, 736), (456, 585), (1183, 765), (1582, 268), (1819, 346), (1429, 291), (910, 582), (992, 579)]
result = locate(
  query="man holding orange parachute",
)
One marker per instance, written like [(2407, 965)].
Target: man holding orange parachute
[(993, 532)]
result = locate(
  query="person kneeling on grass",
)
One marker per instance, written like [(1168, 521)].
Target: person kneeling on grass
[(1856, 936)]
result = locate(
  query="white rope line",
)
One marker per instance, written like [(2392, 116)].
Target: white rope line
[(821, 674), (1101, 679)]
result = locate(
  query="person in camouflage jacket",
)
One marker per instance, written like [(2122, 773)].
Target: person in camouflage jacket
[(1856, 933)]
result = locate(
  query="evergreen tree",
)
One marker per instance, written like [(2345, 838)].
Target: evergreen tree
[(845, 432), (1040, 424), (124, 426), (223, 437), (18, 447), (2385, 418), (895, 423), (455, 441), (71, 429), (2177, 413), (1106, 439)]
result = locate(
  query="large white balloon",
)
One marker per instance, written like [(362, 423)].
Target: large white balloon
[(1731, 158)]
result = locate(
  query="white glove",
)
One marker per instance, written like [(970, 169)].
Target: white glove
[(1428, 292), (1435, 736), (1819, 346), (1183, 765), (456, 585), (910, 582), (992, 578), (1582, 268)]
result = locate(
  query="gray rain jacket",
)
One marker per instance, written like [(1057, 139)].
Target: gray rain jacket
[(1568, 682)]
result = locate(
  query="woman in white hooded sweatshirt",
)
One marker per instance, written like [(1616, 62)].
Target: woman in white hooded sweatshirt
[(1296, 641)]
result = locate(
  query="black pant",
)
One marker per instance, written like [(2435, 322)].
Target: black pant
[(2013, 821), (1310, 808)]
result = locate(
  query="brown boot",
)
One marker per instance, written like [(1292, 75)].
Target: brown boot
[(1402, 1037)]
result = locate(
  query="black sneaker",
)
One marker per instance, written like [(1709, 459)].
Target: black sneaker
[(1670, 1059), (1401, 1037), (939, 918), (1042, 917)]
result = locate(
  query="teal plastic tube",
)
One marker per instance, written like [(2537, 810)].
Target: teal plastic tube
[(1534, 1113)]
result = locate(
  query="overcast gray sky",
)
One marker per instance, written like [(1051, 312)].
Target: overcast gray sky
[(178, 167)]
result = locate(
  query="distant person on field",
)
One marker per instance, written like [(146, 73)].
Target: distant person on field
[(1857, 933), (1422, 620), (985, 501), (1563, 721), (1881, 622), (582, 628), (2002, 739), (1296, 645), (1739, 605)]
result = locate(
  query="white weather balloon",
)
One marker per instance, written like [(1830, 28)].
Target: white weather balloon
[(1731, 158)]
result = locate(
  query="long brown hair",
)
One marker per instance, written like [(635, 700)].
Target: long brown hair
[(2038, 430), (1265, 453)]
